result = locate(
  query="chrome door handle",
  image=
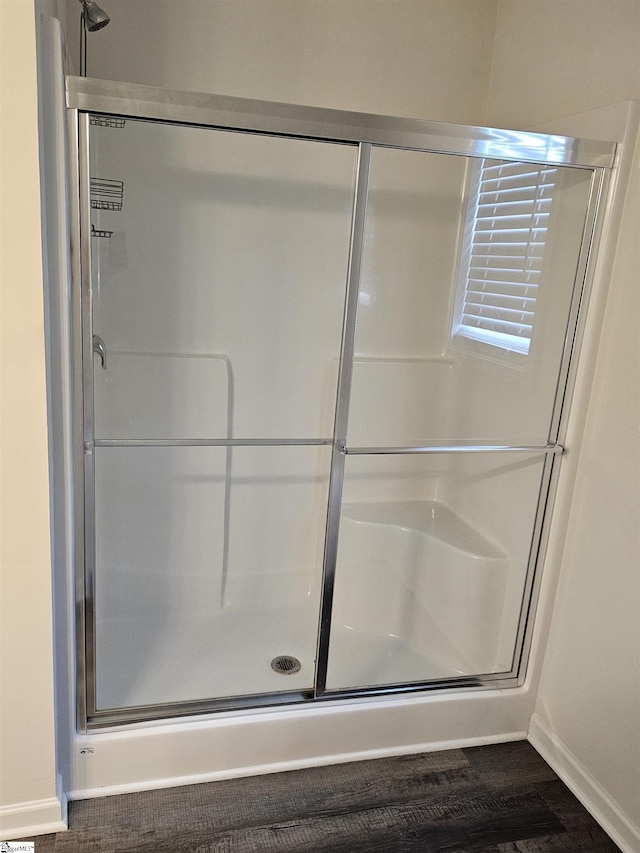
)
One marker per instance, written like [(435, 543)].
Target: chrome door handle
[(100, 347)]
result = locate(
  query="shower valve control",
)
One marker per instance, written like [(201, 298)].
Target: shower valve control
[(100, 348)]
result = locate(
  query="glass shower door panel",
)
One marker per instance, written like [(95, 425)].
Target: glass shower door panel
[(218, 271), (432, 566), (207, 570), (467, 283), (219, 268)]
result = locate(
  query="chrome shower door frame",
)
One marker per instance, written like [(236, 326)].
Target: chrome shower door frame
[(364, 131)]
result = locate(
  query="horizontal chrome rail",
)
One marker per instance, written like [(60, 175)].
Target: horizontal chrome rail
[(166, 710), (316, 442), (454, 448), (208, 442), (244, 114)]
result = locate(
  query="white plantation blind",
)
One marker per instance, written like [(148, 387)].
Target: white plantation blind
[(504, 246)]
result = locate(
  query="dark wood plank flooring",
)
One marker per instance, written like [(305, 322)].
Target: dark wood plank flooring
[(492, 799)]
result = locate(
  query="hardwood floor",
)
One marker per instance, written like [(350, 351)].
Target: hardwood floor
[(491, 799)]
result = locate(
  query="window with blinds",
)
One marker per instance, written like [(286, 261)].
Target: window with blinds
[(503, 249)]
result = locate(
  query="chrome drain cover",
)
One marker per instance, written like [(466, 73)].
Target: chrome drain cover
[(285, 665)]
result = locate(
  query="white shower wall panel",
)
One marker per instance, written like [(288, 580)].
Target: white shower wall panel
[(499, 495), (434, 551), (278, 503), (196, 569), (401, 384), (229, 244), (419, 595), (157, 395), (392, 478), (399, 401), (159, 554), (409, 251)]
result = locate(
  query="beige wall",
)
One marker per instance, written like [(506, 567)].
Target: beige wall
[(589, 697), (423, 58), (553, 58), (26, 698)]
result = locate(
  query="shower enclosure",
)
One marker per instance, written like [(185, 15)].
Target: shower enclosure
[(322, 365)]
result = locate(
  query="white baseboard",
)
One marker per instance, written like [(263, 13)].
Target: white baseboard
[(585, 787), (38, 817)]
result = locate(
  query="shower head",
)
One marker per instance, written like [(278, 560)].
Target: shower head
[(95, 18)]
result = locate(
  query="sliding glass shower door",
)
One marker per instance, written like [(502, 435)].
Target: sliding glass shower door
[(466, 314), (323, 363), (212, 333)]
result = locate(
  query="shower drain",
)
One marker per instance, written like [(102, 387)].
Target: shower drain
[(285, 664)]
